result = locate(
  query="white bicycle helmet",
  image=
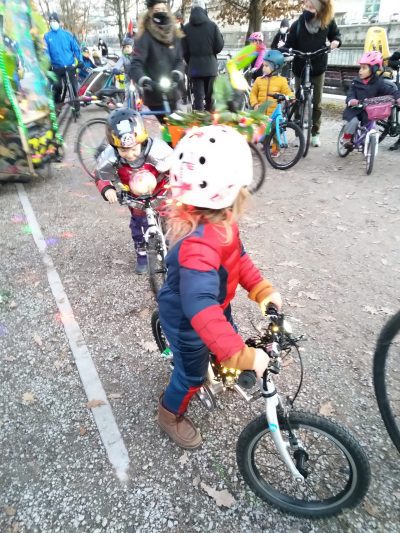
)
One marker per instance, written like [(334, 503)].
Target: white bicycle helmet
[(210, 165)]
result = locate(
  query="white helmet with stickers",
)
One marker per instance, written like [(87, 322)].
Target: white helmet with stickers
[(209, 167)]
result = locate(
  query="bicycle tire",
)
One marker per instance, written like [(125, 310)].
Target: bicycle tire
[(87, 154), (269, 140), (358, 468), (156, 263), (306, 113), (389, 331), (260, 165), (342, 150), (384, 127), (370, 158), (158, 334)]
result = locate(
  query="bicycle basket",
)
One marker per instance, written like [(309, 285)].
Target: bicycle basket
[(379, 108)]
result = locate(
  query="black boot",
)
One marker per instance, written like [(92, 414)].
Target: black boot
[(396, 145)]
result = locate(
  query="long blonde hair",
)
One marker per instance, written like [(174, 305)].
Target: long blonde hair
[(326, 13), (184, 219)]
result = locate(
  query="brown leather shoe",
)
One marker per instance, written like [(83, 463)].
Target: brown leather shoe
[(179, 428)]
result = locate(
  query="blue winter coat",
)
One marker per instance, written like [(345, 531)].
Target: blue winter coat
[(62, 48)]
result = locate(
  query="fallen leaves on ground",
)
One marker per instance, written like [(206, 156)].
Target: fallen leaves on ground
[(326, 409), (94, 403), (28, 398), (82, 431), (10, 511), (222, 498), (149, 346)]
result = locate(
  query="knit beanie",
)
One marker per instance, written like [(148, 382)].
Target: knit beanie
[(198, 3)]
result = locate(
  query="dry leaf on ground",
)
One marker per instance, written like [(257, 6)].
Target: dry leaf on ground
[(326, 409), (149, 346), (38, 339), (115, 395), (94, 403), (370, 508), (222, 498), (28, 398), (10, 511), (183, 459), (82, 431)]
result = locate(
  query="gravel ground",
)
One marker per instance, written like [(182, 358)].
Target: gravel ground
[(325, 233)]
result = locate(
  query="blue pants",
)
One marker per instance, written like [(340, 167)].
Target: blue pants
[(138, 226)]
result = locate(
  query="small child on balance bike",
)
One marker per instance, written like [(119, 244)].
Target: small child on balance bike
[(211, 167), (139, 163)]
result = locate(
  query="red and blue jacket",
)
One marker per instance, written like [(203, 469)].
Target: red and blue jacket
[(204, 271)]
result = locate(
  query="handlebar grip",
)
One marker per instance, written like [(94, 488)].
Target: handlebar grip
[(271, 310), (247, 379)]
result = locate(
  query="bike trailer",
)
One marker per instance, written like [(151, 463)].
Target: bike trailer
[(29, 137)]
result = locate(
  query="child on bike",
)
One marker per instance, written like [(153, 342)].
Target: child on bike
[(87, 65), (123, 64), (257, 66), (270, 83), (211, 167), (366, 85), (136, 161)]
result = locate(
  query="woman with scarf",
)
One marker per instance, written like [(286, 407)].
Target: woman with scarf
[(157, 55), (309, 33)]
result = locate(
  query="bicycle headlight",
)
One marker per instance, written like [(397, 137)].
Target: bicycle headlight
[(165, 83)]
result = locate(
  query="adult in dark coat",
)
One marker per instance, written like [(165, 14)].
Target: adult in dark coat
[(309, 33), (394, 63), (201, 44), (280, 38), (103, 48), (157, 55)]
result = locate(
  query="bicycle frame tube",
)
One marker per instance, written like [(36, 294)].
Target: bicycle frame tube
[(272, 402), (153, 228), (369, 133)]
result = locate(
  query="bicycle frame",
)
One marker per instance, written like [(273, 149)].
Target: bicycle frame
[(363, 135)]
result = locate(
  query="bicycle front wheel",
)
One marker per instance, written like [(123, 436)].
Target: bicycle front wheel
[(90, 142), (341, 149), (370, 157), (259, 169), (286, 153), (306, 122), (156, 263), (335, 467), (386, 373)]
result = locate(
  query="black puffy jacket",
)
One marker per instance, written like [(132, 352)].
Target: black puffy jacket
[(201, 44), (300, 38)]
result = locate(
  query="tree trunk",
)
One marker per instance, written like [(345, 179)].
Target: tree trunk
[(255, 17)]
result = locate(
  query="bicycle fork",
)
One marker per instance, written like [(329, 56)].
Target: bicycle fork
[(153, 229), (272, 401)]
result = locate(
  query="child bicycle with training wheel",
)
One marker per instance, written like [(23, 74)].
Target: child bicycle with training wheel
[(302, 463), (369, 99), (134, 162)]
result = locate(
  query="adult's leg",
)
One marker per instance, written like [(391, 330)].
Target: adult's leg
[(318, 82), (58, 84), (198, 93), (74, 83), (208, 85)]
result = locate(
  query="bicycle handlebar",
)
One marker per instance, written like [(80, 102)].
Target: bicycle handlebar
[(307, 55)]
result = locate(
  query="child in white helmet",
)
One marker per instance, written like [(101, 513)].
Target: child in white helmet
[(210, 171)]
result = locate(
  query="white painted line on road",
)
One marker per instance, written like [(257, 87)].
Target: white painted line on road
[(103, 415)]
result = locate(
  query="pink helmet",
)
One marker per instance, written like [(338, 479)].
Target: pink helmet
[(256, 36), (372, 59)]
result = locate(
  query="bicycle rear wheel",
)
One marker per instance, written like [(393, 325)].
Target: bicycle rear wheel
[(306, 122), (259, 169), (370, 157), (156, 263), (90, 142), (286, 154), (335, 466), (386, 372)]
